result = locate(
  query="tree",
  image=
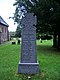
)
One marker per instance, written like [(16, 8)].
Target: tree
[(18, 31), (47, 12)]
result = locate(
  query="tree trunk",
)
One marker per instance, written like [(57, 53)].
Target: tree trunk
[(58, 40), (55, 39)]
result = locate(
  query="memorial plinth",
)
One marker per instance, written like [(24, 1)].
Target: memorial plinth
[(28, 63)]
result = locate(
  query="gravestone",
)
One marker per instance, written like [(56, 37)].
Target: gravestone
[(28, 63), (18, 41)]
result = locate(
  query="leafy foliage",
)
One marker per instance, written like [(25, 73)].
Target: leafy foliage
[(18, 32), (47, 12)]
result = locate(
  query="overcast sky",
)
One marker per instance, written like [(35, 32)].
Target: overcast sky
[(6, 10)]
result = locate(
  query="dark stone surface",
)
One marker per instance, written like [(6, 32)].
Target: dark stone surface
[(28, 68), (28, 48)]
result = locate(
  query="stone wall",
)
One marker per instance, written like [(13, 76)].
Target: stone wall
[(3, 33)]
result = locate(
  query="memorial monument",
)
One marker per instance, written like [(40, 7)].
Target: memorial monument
[(28, 63)]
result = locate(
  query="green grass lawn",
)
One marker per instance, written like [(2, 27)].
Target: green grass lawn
[(48, 58)]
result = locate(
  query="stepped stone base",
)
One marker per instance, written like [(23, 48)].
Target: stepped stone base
[(28, 68)]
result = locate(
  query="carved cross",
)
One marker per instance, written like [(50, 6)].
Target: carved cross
[(29, 20)]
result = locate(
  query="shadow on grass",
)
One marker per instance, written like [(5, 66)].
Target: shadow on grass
[(40, 76), (47, 49)]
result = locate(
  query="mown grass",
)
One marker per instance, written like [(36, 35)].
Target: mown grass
[(48, 58)]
